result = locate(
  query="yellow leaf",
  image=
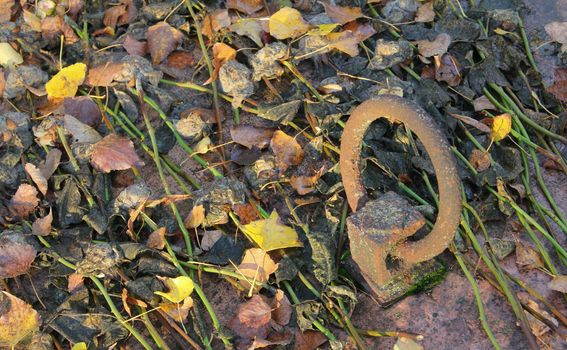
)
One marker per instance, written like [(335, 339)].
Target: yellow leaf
[(323, 29), (66, 82), (179, 288), (80, 346), (501, 126), (17, 321), (178, 312), (287, 23), (269, 234)]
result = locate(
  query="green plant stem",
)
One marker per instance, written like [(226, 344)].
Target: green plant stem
[(527, 45), (61, 134), (301, 78)]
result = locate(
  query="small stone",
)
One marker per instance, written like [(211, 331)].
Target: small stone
[(262, 171), (99, 258), (191, 127), (22, 76), (264, 62), (397, 11), (390, 53), (218, 198), (132, 196), (235, 81)]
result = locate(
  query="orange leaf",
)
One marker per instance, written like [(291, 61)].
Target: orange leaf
[(222, 53)]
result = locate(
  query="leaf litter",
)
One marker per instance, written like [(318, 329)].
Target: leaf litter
[(253, 208)]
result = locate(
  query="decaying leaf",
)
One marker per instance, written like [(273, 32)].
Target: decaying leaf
[(305, 184), (178, 288), (104, 74), (308, 340), (249, 27), (210, 238), (501, 126), (269, 234), (176, 311), (245, 6), (342, 14), (557, 31), (448, 69), (162, 40), (472, 122), (344, 41), (196, 217), (66, 82), (481, 103), (362, 31), (256, 266), (527, 257), (18, 320), (252, 320), (222, 53), (558, 283), (84, 109), (114, 152), (425, 13), (214, 22), (134, 47), (559, 87), (246, 212), (42, 226), (281, 308), (24, 201), (250, 136), (16, 256), (287, 23), (74, 282), (438, 46), (156, 239), (287, 150), (406, 344), (9, 56), (37, 177), (480, 160)]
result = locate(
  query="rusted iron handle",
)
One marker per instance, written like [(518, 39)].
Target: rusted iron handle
[(396, 109)]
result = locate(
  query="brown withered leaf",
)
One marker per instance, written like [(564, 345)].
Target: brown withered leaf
[(52, 27), (425, 13), (134, 47), (156, 239), (287, 150), (250, 136), (559, 87), (344, 41), (438, 46), (281, 308), (246, 213), (472, 122), (557, 31), (214, 22), (558, 283), (245, 6), (37, 177), (252, 320), (304, 184), (18, 320), (178, 311), (162, 40), (195, 217), (16, 256), (308, 340), (257, 265), (6, 10), (74, 282), (342, 14), (448, 69), (51, 163), (114, 152), (362, 31), (2, 81), (480, 160), (42, 226), (222, 53), (210, 238), (24, 201), (121, 14), (527, 257), (481, 103), (179, 64), (104, 74), (84, 109)]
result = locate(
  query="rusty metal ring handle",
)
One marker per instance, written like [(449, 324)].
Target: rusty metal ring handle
[(396, 109)]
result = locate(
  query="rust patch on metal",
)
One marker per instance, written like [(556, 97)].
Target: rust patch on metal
[(396, 109)]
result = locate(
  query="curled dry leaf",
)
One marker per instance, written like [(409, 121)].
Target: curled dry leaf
[(527, 257), (246, 212), (162, 40), (425, 13), (448, 69), (18, 320), (156, 239), (287, 150), (121, 14), (16, 256), (558, 283), (342, 14), (66, 82), (214, 22), (250, 136), (438, 46), (51, 163), (37, 177), (281, 308), (114, 152), (222, 53), (256, 266), (245, 6), (196, 217), (74, 282), (104, 74), (42, 226), (557, 31), (287, 23), (24, 201), (252, 320), (52, 27), (481, 103), (472, 122), (176, 311)]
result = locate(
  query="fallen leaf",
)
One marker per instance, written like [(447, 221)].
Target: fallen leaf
[(9, 56), (195, 217), (53, 26), (287, 23), (37, 177), (210, 238), (24, 201), (557, 31), (559, 87), (256, 266), (84, 109), (6, 10), (501, 126), (406, 344), (66, 82), (482, 103), (81, 132), (18, 320), (281, 308), (74, 282), (308, 340), (480, 160), (362, 31), (250, 136), (2, 82), (113, 14), (252, 319), (202, 146), (246, 212), (425, 13), (269, 234), (114, 152), (245, 6), (248, 27), (42, 226), (176, 311), (104, 74), (222, 53), (80, 346), (438, 46), (178, 288), (16, 256), (286, 149), (527, 257), (32, 20), (134, 47), (214, 22), (51, 163), (162, 40), (344, 41), (304, 184), (156, 239), (323, 29), (472, 122), (342, 14), (558, 283), (448, 69)]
